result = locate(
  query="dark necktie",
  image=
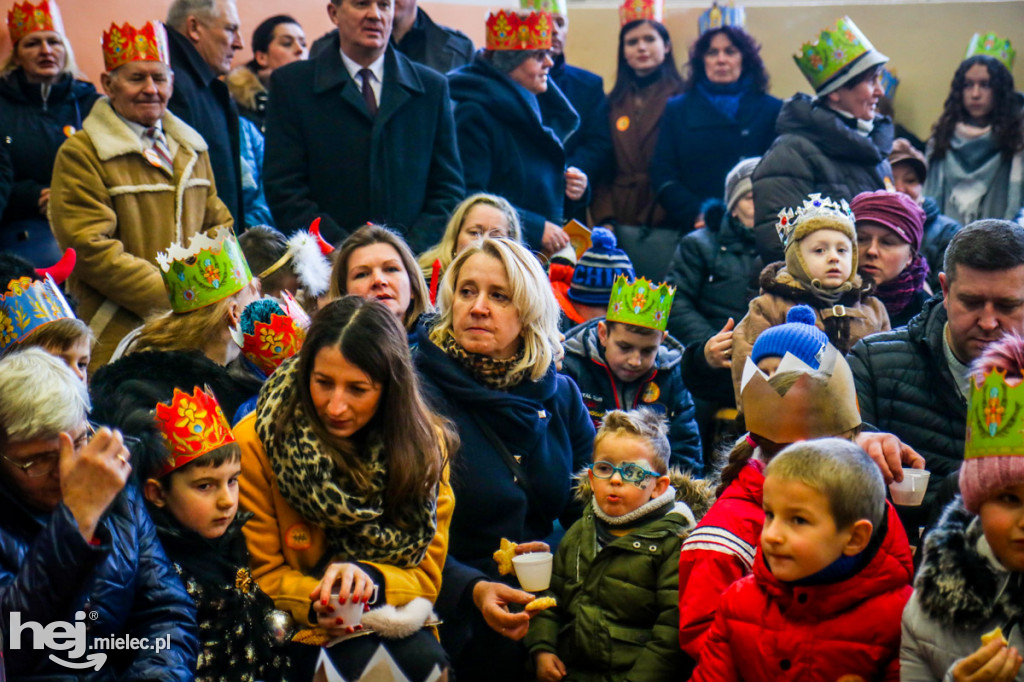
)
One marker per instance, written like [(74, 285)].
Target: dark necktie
[(368, 96)]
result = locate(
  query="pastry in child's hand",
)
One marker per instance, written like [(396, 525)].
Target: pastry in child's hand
[(541, 603), (503, 556), (995, 634)]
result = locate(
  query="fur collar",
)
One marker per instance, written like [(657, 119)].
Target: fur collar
[(958, 585), (111, 137), (244, 86)]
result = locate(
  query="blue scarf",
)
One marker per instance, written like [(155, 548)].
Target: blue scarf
[(724, 97)]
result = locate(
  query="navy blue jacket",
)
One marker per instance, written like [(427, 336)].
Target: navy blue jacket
[(698, 146), (202, 100), (511, 142), (590, 147), (602, 391), (327, 157), (48, 572)]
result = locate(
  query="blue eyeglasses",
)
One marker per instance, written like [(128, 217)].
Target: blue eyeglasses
[(630, 473)]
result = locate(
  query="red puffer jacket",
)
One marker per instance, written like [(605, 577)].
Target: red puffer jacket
[(770, 631)]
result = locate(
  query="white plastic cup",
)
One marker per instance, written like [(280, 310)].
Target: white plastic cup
[(533, 570), (910, 491), (351, 613)]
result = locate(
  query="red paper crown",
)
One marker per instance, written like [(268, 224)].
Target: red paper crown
[(128, 44), (512, 31), (271, 343), (635, 10), (192, 425), (25, 18)]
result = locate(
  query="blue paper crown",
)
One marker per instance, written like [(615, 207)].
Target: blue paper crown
[(27, 306), (717, 17)]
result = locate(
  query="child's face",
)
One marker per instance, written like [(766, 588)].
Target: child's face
[(1002, 520), (77, 357), (201, 498), (828, 256), (769, 365), (630, 355), (615, 496), (800, 536)]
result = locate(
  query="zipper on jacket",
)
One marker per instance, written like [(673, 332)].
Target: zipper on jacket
[(44, 93)]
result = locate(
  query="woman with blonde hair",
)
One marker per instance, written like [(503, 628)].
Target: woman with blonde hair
[(488, 361)]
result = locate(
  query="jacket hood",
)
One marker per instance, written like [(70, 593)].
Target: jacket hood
[(696, 493), (805, 116), (585, 344), (769, 283), (482, 84), (244, 86)]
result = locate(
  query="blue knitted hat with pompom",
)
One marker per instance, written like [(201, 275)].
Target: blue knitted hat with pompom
[(798, 336), (599, 267)]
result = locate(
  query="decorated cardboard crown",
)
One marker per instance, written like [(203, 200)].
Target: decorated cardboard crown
[(995, 417), (820, 403), (817, 213), (26, 306), (209, 270), (717, 17), (25, 18), (192, 425), (993, 46), (640, 303), (889, 83), (636, 10), (512, 31), (123, 44), (837, 55), (553, 6), (270, 333)]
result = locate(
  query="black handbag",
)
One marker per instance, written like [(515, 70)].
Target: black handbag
[(649, 248)]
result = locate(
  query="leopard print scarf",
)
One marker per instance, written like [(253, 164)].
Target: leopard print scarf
[(353, 521), (496, 374)]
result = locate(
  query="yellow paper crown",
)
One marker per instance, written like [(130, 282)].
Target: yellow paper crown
[(511, 31), (25, 18), (123, 44), (637, 10)]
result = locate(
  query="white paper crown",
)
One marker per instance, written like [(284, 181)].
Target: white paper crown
[(815, 207)]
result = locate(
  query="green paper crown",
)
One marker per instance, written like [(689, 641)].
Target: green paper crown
[(993, 46), (639, 303), (832, 55), (209, 270), (553, 6), (995, 417)]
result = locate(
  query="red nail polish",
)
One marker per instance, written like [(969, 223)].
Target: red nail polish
[(359, 627), (324, 601), (350, 630), (353, 599), (366, 607), (339, 620)]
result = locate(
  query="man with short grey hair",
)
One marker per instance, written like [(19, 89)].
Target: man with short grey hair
[(203, 36)]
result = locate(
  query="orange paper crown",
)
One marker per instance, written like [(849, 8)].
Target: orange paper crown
[(512, 31), (636, 10), (192, 425), (128, 44), (25, 18)]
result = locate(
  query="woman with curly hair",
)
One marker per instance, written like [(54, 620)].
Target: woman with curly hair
[(725, 114), (976, 154)]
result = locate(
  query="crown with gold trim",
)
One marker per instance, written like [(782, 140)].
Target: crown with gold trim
[(993, 46), (192, 425), (718, 16), (839, 54), (639, 10), (820, 403), (995, 417), (125, 43), (640, 303), (25, 18), (553, 6), (514, 31), (209, 270), (270, 333), (817, 213), (28, 305)]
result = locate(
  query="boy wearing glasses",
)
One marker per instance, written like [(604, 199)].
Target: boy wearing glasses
[(616, 571)]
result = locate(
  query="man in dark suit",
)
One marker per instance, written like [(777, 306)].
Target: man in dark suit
[(203, 36), (361, 133)]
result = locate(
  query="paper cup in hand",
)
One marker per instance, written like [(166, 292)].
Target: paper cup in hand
[(910, 491), (351, 613), (533, 570)]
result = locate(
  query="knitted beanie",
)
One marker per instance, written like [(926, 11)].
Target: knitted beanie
[(738, 182), (597, 270), (798, 336), (894, 210)]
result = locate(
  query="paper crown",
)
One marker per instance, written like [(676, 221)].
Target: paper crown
[(192, 425), (128, 44), (995, 417), (637, 10), (993, 46), (510, 31), (889, 83), (810, 408), (816, 211), (270, 333), (640, 303), (25, 18), (209, 270), (553, 6), (26, 306), (836, 56), (717, 17)]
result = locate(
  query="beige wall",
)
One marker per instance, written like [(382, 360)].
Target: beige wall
[(925, 40)]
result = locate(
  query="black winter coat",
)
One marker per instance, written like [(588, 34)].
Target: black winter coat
[(511, 142), (590, 147), (48, 572), (698, 146), (327, 157), (939, 228), (202, 100), (816, 151), (715, 273)]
